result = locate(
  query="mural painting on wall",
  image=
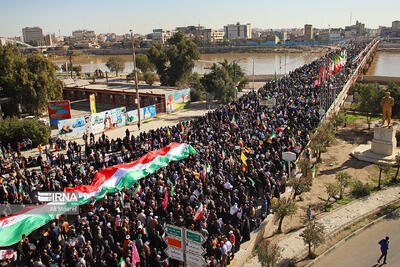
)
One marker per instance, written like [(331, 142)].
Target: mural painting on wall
[(177, 100)]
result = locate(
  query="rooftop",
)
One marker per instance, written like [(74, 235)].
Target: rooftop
[(119, 86)]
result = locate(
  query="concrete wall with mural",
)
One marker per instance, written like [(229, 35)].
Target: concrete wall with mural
[(107, 120), (177, 100), (74, 128), (102, 121), (145, 113)]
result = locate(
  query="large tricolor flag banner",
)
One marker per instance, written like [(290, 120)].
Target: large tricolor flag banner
[(105, 181)]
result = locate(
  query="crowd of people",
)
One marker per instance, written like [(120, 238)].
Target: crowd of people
[(231, 189)]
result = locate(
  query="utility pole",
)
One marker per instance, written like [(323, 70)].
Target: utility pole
[(70, 62), (136, 79), (253, 75)]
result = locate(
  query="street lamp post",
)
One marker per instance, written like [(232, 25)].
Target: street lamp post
[(136, 78)]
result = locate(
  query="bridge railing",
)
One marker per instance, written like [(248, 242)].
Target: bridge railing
[(336, 105)]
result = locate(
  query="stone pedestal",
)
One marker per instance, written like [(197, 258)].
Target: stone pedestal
[(384, 141)]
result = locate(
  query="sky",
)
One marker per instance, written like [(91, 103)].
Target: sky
[(118, 16)]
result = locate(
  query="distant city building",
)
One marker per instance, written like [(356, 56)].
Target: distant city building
[(84, 35), (213, 36), (161, 35), (396, 25), (308, 32), (385, 31), (238, 31), (355, 30), (192, 31), (49, 39), (34, 34), (395, 28)]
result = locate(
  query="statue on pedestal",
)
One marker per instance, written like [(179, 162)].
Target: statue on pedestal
[(387, 103)]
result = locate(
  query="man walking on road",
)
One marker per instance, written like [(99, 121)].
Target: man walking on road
[(384, 243)]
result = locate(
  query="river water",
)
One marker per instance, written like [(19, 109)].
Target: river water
[(385, 63), (266, 63)]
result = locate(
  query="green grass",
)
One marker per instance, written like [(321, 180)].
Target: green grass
[(345, 201), (352, 118), (328, 207), (150, 120)]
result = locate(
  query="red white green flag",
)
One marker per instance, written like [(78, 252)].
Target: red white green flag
[(234, 122), (199, 212), (108, 180)]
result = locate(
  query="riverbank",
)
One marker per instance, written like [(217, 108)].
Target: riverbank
[(202, 50)]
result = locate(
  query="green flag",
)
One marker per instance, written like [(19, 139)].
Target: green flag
[(252, 182)]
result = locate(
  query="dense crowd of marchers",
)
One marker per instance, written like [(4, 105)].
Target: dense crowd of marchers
[(106, 231)]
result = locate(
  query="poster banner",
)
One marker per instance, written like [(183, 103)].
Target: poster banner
[(114, 118), (145, 113), (97, 122), (131, 116), (74, 128), (177, 100), (58, 110), (92, 99)]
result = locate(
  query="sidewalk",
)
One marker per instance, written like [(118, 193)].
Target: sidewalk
[(292, 244)]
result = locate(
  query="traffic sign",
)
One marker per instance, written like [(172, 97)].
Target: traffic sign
[(174, 242), (288, 156), (174, 231), (174, 253), (194, 248), (195, 237), (195, 260)]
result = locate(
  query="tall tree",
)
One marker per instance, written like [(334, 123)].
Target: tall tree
[(175, 62), (323, 137), (368, 97), (236, 72), (77, 69), (143, 63), (397, 160), (29, 82), (220, 84), (116, 64), (283, 208), (343, 179), (268, 253), (313, 235)]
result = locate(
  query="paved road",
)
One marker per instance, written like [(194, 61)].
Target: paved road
[(363, 249)]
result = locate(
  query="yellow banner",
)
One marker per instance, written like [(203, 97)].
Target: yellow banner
[(92, 103)]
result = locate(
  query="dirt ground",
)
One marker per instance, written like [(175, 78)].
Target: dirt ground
[(336, 159)]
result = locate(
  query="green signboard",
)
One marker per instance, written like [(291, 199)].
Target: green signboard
[(174, 231), (195, 237)]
